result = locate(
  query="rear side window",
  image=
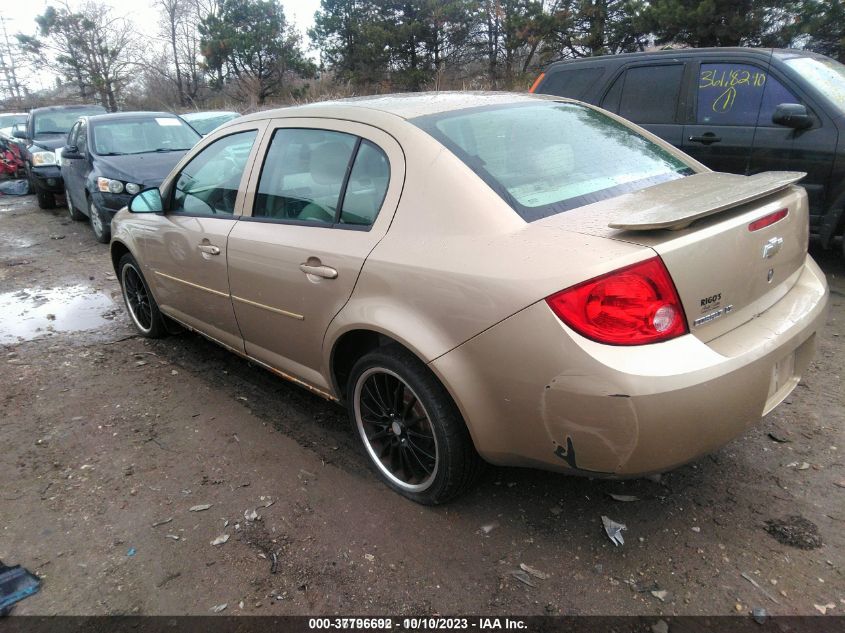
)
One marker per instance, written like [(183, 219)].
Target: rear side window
[(303, 175), (571, 83), (367, 186), (550, 157), (646, 94), (321, 177)]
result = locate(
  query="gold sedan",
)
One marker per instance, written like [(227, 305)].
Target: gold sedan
[(524, 280)]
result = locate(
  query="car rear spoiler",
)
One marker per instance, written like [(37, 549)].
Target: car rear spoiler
[(676, 204)]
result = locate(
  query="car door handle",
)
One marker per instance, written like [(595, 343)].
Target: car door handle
[(209, 249), (318, 270), (706, 139)]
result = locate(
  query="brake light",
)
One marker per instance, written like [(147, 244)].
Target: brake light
[(634, 305), (536, 82), (768, 220)]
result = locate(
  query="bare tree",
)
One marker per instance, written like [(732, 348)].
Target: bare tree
[(173, 15), (8, 65), (89, 46)]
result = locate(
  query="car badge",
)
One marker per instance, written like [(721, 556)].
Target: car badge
[(771, 247)]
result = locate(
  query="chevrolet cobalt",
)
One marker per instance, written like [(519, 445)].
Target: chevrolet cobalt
[(525, 280)]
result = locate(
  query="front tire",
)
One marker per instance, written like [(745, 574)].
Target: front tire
[(46, 200), (410, 428), (100, 226), (142, 307)]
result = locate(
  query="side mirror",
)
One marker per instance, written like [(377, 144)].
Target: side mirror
[(19, 131), (147, 201), (792, 115), (71, 151)]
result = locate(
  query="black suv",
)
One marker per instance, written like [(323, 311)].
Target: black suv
[(46, 130), (740, 110)]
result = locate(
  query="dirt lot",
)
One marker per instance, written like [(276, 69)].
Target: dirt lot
[(109, 440)]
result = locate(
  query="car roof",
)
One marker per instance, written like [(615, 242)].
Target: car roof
[(675, 52), (65, 107), (406, 105), (113, 116)]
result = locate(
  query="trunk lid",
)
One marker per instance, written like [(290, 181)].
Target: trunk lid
[(725, 273)]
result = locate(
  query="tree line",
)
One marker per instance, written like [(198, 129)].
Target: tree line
[(206, 52)]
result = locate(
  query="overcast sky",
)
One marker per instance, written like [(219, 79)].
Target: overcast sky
[(20, 17)]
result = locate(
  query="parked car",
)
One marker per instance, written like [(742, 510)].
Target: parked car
[(206, 122), (110, 157), (740, 110), (529, 280), (45, 132)]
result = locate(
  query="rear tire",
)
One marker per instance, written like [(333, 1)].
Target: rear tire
[(140, 303), (46, 200), (100, 226), (410, 428), (72, 211)]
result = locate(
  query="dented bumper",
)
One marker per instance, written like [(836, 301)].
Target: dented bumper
[(535, 393)]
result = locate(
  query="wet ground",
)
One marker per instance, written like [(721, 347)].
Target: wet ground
[(112, 446)]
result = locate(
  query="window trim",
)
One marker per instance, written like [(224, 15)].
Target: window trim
[(171, 192)]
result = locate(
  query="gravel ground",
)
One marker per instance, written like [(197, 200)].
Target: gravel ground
[(109, 441)]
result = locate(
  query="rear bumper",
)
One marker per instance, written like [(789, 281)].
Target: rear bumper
[(535, 393)]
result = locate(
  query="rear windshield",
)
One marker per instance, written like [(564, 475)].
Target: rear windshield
[(551, 157)]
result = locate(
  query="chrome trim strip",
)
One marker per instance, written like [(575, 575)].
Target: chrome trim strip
[(292, 315), (192, 285)]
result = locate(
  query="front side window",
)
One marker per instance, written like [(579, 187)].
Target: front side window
[(208, 185), (738, 94), (73, 135), (547, 158), (729, 94), (82, 138)]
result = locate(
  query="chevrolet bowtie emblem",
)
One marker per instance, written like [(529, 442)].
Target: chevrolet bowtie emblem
[(771, 247)]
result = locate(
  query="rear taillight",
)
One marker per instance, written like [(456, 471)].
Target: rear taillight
[(768, 220), (634, 305), (536, 82)]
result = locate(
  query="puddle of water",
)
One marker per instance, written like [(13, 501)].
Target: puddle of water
[(32, 312), (18, 242)]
